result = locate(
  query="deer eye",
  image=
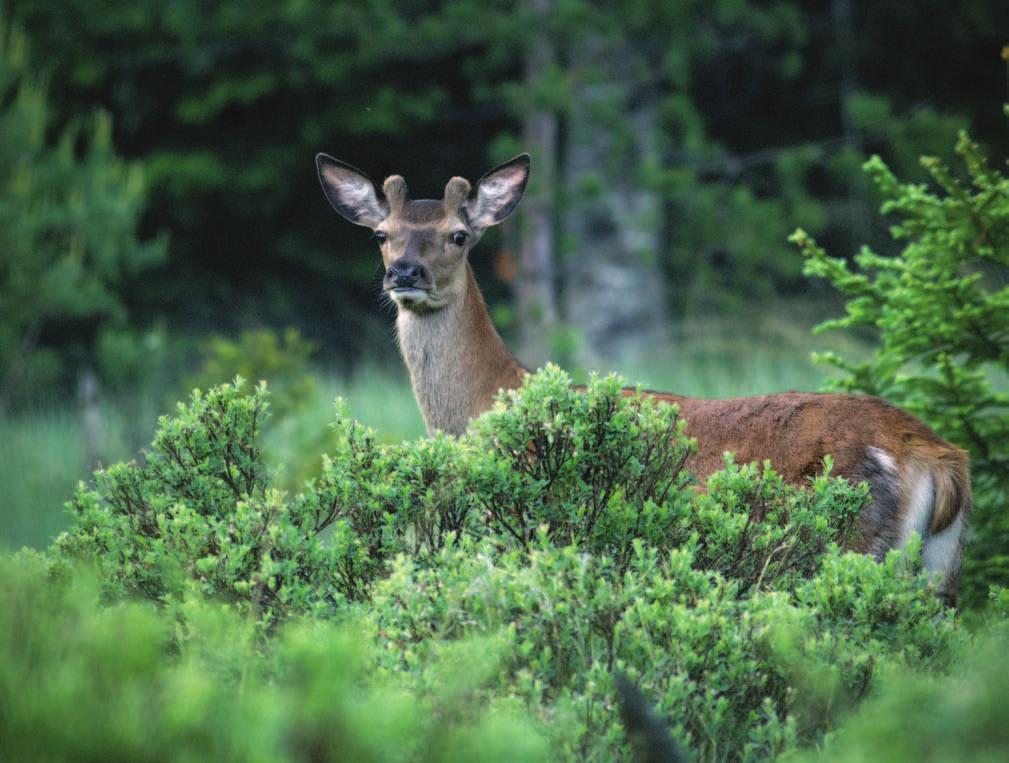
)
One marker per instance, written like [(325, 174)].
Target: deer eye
[(380, 236), (458, 238)]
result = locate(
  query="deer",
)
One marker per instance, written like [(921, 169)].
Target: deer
[(458, 364)]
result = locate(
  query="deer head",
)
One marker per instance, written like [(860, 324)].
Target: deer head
[(424, 242)]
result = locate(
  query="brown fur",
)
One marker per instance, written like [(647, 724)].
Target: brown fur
[(423, 211), (796, 430)]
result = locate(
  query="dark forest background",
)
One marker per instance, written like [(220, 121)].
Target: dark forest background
[(674, 143)]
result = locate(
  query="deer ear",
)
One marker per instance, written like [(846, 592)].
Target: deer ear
[(498, 193), (350, 191)]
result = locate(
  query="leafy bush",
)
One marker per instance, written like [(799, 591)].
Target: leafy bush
[(561, 534), (83, 682), (595, 468), (199, 513), (941, 311), (737, 677), (920, 715)]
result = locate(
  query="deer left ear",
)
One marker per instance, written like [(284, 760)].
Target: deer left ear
[(350, 192), (498, 193)]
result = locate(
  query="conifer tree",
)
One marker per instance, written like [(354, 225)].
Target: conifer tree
[(940, 309)]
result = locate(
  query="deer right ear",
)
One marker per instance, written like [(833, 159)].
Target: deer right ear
[(498, 193), (350, 191)]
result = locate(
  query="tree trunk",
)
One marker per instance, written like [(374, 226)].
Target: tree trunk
[(91, 418), (534, 284), (844, 29), (613, 286)]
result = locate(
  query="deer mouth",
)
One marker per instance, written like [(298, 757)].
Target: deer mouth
[(408, 295)]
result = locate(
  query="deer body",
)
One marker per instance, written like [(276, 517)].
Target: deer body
[(919, 483)]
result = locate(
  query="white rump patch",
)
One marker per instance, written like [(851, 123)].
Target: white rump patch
[(942, 550), (920, 506)]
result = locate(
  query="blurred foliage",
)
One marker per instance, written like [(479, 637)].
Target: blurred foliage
[(940, 310), (279, 358), (42, 448), (126, 682), (298, 429), (917, 715), (130, 358), (461, 599), (42, 458), (764, 117), (68, 217), (425, 544)]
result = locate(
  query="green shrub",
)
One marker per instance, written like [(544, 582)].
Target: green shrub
[(756, 529), (84, 682), (941, 311), (560, 536), (923, 715), (199, 513), (595, 468), (737, 677), (359, 492)]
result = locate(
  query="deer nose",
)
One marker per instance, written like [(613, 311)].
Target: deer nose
[(404, 274)]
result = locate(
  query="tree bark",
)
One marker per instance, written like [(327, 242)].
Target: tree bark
[(535, 280), (844, 29), (91, 418), (614, 294)]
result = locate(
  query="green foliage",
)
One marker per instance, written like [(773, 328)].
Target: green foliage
[(940, 310), (752, 527), (594, 468), (998, 601), (199, 513), (131, 358), (41, 459), (83, 682), (279, 358), (734, 610), (42, 448), (737, 677), (918, 715), (397, 87), (297, 431), (68, 225)]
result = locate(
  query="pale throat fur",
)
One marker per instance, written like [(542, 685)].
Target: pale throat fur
[(457, 361)]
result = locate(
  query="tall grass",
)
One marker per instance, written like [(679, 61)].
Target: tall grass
[(718, 358), (42, 450), (42, 456)]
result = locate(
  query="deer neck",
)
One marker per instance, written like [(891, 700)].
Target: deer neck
[(457, 361)]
